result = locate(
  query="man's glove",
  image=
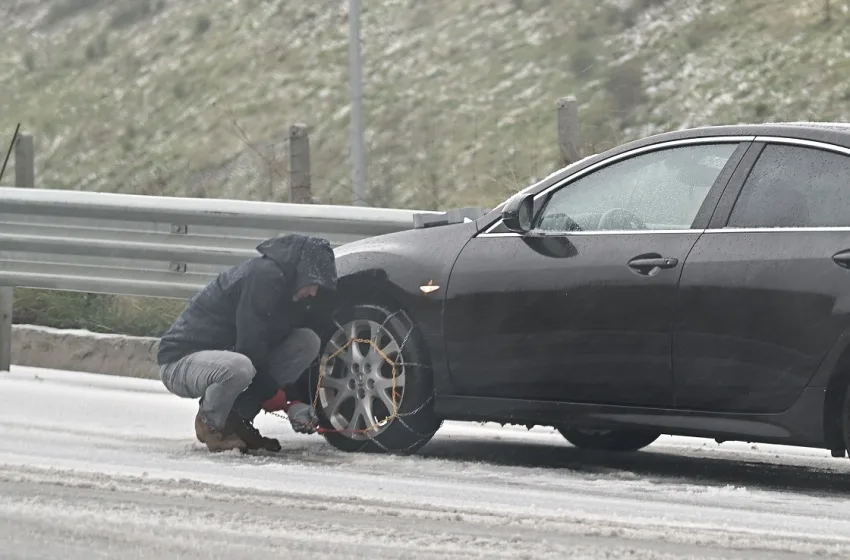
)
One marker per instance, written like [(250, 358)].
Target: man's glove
[(277, 402), (303, 417)]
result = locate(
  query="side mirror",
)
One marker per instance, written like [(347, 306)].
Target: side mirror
[(518, 213)]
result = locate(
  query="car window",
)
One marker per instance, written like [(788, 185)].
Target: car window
[(793, 186), (660, 190)]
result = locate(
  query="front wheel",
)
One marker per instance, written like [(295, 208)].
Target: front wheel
[(374, 382), (609, 440)]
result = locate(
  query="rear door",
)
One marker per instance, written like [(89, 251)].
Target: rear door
[(581, 309), (765, 292)]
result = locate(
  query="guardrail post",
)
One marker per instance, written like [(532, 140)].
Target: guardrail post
[(300, 184), (24, 162), (24, 178), (6, 299), (568, 130)]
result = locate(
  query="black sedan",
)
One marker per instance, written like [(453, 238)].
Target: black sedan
[(690, 283)]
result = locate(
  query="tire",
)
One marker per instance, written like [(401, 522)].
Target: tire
[(415, 422), (845, 420), (609, 440)]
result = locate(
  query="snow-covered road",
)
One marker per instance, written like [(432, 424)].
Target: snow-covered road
[(95, 466)]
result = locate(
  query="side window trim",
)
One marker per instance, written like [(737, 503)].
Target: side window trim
[(723, 210), (721, 185), (734, 159), (720, 220)]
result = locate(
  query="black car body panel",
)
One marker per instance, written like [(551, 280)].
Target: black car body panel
[(575, 309), (396, 266), (740, 342), (802, 424), (741, 333)]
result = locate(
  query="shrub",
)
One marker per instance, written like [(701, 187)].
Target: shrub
[(202, 25), (97, 47), (29, 61), (625, 85), (64, 9), (133, 13), (95, 312), (582, 59)]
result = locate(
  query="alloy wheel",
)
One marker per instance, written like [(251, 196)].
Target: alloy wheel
[(359, 393)]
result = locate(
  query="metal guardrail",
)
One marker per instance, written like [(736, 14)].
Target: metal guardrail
[(155, 246), (152, 246)]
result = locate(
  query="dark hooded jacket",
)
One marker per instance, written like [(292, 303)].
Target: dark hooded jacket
[(248, 308)]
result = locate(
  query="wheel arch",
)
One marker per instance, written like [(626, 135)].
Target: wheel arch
[(833, 376), (394, 268), (371, 284), (836, 390), (375, 286)]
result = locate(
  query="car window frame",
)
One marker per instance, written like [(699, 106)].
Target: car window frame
[(696, 222), (720, 221), (703, 216)]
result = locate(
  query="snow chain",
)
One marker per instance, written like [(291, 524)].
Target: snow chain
[(394, 413)]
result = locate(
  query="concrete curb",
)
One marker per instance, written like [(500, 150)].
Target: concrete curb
[(85, 351)]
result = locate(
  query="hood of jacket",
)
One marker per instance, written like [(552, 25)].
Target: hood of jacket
[(310, 258)]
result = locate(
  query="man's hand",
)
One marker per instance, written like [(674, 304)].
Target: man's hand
[(303, 418)]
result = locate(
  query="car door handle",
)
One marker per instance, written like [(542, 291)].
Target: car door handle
[(640, 263), (842, 258)]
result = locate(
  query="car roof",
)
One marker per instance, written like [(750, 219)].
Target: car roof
[(836, 133), (831, 132)]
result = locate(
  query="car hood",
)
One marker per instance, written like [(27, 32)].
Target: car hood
[(409, 239)]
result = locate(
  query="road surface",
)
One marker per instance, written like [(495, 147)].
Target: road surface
[(98, 466)]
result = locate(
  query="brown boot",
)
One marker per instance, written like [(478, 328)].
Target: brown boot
[(200, 428), (217, 440), (245, 430)]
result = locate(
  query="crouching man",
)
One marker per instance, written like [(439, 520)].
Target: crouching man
[(240, 342)]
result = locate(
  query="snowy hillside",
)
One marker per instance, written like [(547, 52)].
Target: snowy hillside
[(196, 96)]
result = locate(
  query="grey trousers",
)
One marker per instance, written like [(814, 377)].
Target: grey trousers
[(219, 377)]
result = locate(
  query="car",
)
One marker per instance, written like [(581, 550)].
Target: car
[(693, 283)]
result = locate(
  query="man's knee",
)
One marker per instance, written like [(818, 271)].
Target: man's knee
[(306, 343), (238, 369), (294, 356)]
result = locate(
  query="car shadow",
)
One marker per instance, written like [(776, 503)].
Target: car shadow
[(653, 464)]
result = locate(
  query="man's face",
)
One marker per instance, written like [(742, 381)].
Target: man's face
[(305, 292)]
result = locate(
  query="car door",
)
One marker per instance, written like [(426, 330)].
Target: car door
[(581, 308), (765, 293)]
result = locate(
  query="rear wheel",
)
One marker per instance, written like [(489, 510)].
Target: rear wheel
[(845, 420), (374, 382), (609, 440)]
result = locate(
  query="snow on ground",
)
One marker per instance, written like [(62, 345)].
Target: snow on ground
[(99, 465)]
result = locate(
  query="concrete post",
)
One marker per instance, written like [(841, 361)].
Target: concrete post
[(300, 182), (568, 131), (6, 299), (24, 178), (24, 162)]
